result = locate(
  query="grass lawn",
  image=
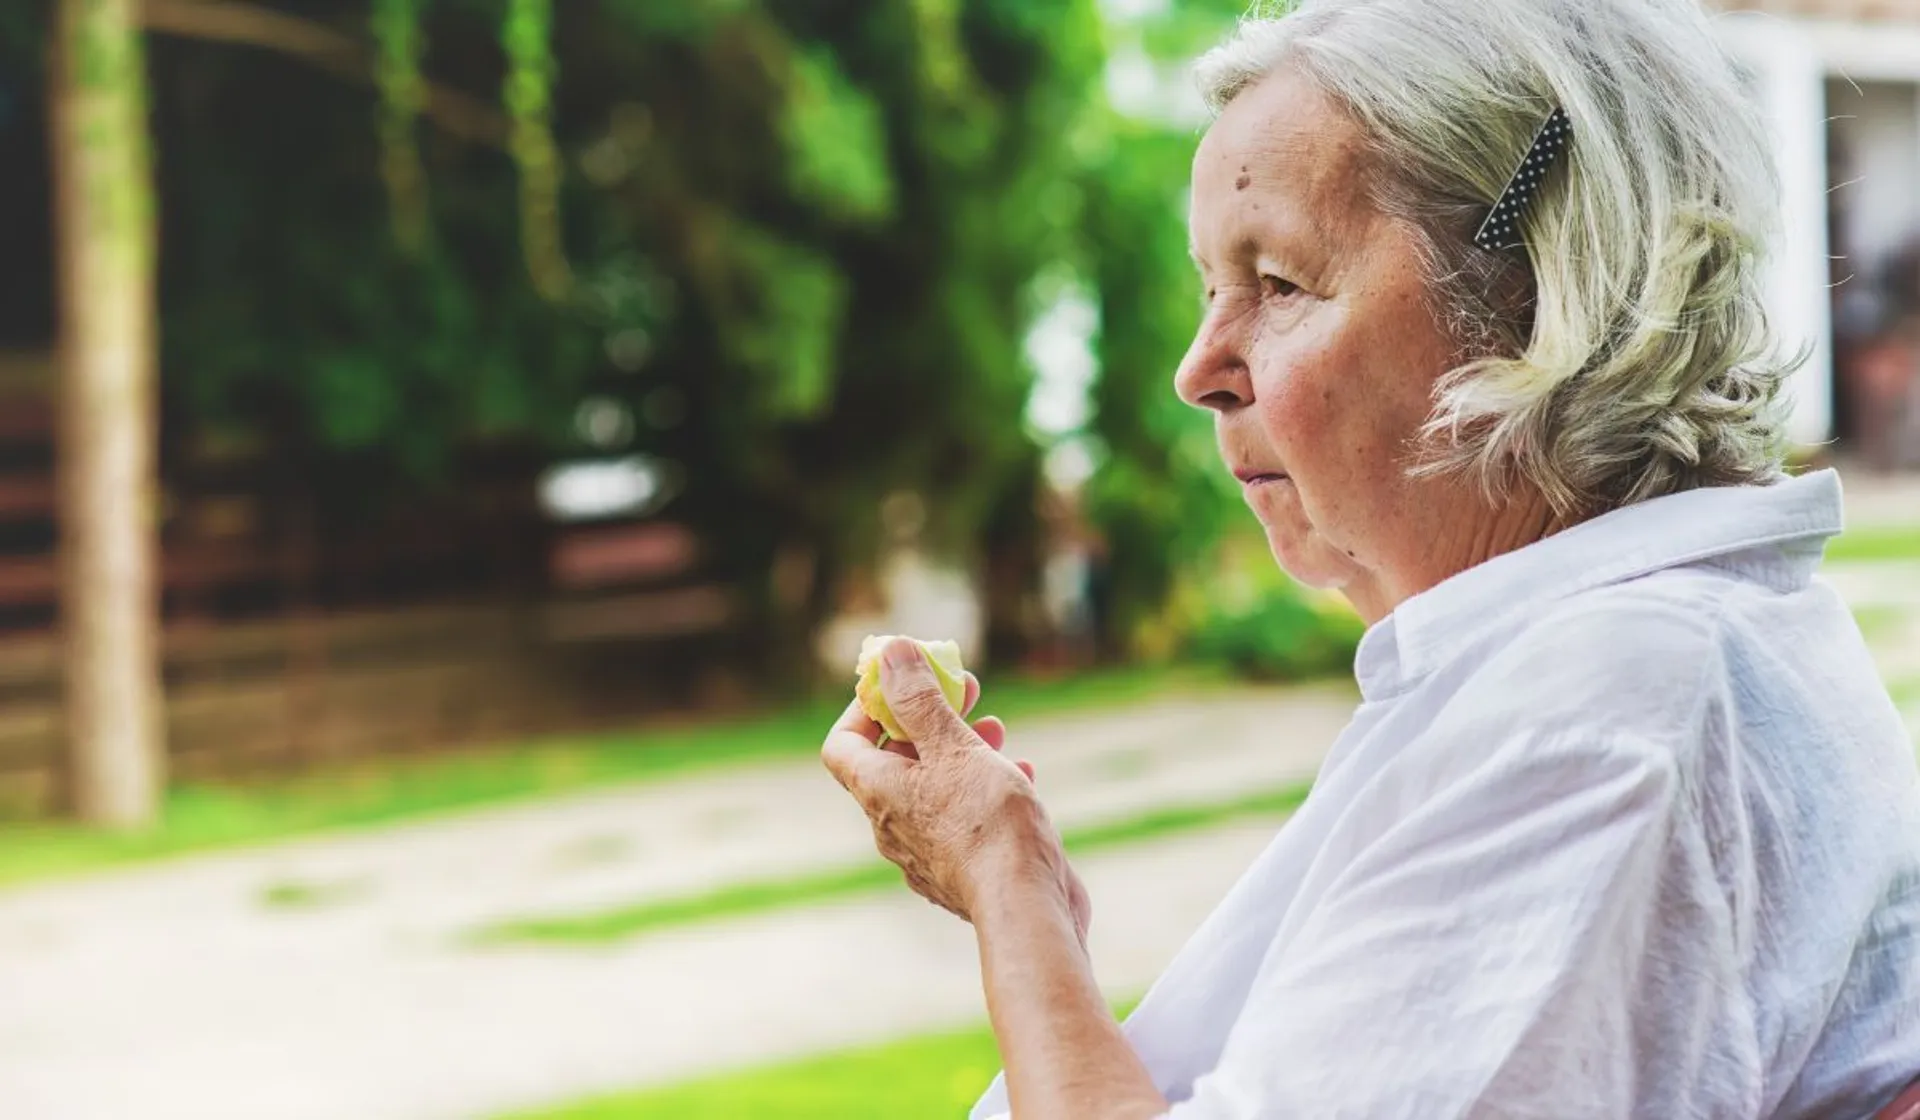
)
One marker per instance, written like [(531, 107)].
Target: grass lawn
[(1879, 621), (621, 923), (201, 818), (935, 1077), (939, 1076), (1880, 542)]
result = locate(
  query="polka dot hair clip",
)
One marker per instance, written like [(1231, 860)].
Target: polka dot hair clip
[(1501, 230)]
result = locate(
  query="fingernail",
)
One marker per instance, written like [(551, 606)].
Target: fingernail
[(901, 654)]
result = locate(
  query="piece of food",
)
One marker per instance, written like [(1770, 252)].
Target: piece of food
[(943, 656)]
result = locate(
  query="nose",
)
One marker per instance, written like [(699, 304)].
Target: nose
[(1214, 374)]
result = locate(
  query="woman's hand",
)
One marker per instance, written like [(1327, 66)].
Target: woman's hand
[(962, 821), (949, 808)]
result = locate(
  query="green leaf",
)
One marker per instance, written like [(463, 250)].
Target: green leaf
[(836, 142), (785, 328)]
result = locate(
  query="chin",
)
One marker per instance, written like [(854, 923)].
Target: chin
[(1309, 561)]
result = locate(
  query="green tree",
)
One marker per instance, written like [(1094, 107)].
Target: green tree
[(803, 241), (1161, 498), (800, 244)]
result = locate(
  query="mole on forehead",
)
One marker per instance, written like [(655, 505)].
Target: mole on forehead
[(1321, 184), (1306, 159)]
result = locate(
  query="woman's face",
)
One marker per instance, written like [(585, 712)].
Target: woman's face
[(1318, 354)]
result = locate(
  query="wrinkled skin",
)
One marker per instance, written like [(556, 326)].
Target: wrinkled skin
[(1320, 355), (930, 800)]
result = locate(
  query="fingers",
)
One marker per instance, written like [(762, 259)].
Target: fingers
[(991, 731), (913, 694), (973, 694), (864, 772), (994, 734), (856, 722)]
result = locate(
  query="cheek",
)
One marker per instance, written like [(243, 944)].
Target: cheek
[(1313, 393)]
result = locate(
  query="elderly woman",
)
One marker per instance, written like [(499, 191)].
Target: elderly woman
[(1625, 824)]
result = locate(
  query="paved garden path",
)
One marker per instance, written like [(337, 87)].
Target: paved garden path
[(179, 991)]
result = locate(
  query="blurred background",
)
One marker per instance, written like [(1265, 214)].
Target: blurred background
[(450, 453)]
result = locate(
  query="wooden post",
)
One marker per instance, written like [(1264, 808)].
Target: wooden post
[(104, 226)]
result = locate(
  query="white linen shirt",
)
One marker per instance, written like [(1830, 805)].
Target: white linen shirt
[(1625, 826)]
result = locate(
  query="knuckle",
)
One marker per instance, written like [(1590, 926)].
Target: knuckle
[(922, 706)]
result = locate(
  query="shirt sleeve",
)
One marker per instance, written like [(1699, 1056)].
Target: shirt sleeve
[(1488, 954)]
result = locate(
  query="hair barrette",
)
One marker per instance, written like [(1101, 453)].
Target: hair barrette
[(1501, 228)]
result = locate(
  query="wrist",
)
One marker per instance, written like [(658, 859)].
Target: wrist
[(1019, 876)]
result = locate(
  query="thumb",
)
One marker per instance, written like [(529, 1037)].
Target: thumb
[(913, 695)]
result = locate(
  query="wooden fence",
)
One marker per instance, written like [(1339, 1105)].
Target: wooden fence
[(247, 700), (290, 643)]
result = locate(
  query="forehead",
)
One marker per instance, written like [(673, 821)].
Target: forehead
[(1284, 151)]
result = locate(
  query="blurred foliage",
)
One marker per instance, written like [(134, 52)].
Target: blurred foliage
[(396, 30), (1181, 31), (526, 36), (799, 244), (836, 142), (1282, 636), (1249, 617), (1161, 498)]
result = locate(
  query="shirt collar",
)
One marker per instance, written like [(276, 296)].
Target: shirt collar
[(1791, 518)]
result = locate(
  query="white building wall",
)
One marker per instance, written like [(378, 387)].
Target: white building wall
[(1789, 75)]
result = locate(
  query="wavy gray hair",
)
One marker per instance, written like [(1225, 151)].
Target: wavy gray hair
[(1625, 354)]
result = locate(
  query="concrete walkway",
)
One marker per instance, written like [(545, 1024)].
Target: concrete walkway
[(684, 835), (295, 1023), (177, 992)]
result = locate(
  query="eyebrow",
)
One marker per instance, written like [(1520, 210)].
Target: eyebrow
[(1247, 245)]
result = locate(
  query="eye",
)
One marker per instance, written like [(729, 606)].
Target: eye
[(1276, 287)]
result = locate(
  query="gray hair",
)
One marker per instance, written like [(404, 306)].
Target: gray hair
[(1625, 354)]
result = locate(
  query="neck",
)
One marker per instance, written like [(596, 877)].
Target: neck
[(1464, 530)]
